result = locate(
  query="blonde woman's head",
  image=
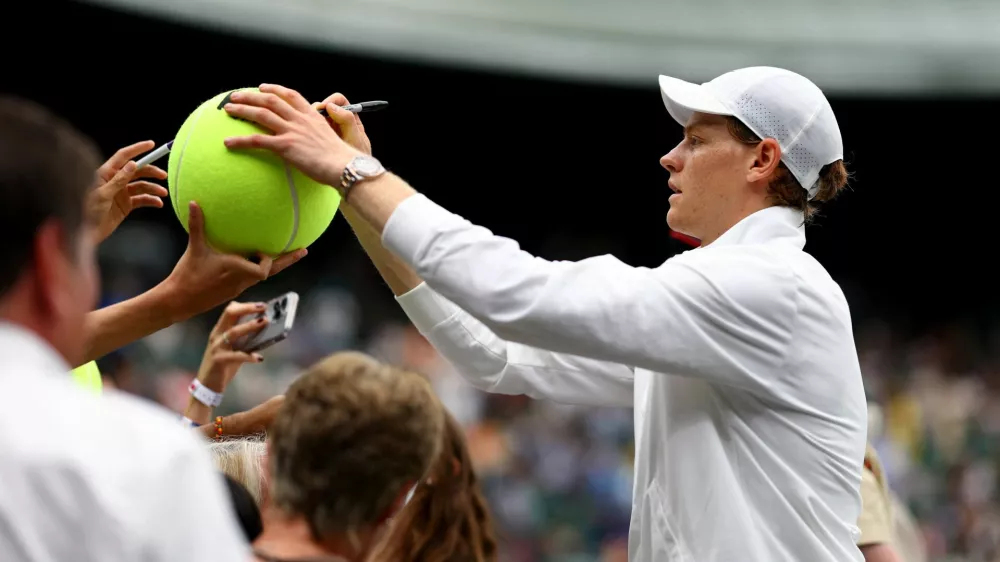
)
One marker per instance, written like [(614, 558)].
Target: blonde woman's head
[(244, 460)]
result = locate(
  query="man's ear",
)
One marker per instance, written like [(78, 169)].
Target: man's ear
[(767, 158)]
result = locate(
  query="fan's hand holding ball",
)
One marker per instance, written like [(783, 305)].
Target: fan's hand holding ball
[(255, 202), (298, 133), (205, 278)]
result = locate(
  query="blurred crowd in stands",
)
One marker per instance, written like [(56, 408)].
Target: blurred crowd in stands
[(558, 478)]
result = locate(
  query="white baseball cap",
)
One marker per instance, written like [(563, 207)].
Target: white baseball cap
[(774, 103)]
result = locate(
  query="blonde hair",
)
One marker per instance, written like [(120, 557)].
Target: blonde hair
[(242, 459), (352, 435)]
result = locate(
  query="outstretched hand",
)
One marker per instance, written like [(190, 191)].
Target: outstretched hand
[(205, 278), (298, 133), (122, 188)]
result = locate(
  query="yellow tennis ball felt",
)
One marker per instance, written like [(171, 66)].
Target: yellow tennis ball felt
[(251, 199), (88, 376)]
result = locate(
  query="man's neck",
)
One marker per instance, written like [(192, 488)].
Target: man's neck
[(748, 208), (289, 538)]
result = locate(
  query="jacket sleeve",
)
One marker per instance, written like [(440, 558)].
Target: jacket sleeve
[(494, 365), (724, 316)]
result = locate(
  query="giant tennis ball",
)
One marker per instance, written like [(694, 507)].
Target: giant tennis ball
[(88, 376), (252, 200)]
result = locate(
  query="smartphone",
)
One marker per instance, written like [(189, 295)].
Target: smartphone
[(281, 314)]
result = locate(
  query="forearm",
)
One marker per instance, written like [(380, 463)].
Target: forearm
[(250, 422), (400, 277), (492, 364), (198, 412), (880, 552), (120, 324), (375, 200)]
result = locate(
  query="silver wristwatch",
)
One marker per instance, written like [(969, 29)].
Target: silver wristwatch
[(359, 169)]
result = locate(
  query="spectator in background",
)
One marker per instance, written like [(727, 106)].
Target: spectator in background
[(246, 507), (85, 478), (243, 460), (447, 518), (878, 540), (353, 437)]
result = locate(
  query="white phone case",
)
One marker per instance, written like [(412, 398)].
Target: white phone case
[(281, 314)]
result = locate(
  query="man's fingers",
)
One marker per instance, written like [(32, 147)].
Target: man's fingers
[(143, 187), (265, 100), (146, 201), (336, 99), (343, 118), (290, 96), (285, 260), (259, 115), (118, 159), (268, 142)]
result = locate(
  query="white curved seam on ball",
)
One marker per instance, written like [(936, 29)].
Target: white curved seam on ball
[(180, 160), (294, 194)]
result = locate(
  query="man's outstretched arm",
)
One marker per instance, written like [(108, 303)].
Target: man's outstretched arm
[(485, 360), (678, 318)]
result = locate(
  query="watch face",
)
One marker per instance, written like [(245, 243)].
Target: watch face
[(366, 165)]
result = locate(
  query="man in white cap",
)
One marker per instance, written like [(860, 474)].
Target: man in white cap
[(738, 356)]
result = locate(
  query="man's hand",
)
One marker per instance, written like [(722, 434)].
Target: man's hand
[(299, 134), (204, 278), (348, 125), (122, 189)]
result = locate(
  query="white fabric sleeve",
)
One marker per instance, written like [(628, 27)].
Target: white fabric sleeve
[(727, 320), (494, 365)]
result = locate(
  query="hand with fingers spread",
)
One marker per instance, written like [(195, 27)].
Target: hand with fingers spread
[(122, 188), (205, 278), (221, 361), (347, 125), (298, 133)]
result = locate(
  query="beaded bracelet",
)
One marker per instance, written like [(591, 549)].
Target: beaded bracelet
[(218, 427)]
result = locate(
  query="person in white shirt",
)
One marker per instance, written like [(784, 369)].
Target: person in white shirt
[(738, 356), (83, 477)]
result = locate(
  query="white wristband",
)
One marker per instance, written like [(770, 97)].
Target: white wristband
[(205, 395), (188, 422)]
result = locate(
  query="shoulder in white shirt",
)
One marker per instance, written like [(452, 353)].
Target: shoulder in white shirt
[(100, 478)]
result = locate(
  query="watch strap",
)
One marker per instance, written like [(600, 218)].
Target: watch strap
[(350, 177)]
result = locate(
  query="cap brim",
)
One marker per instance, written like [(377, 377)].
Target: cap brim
[(683, 99)]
